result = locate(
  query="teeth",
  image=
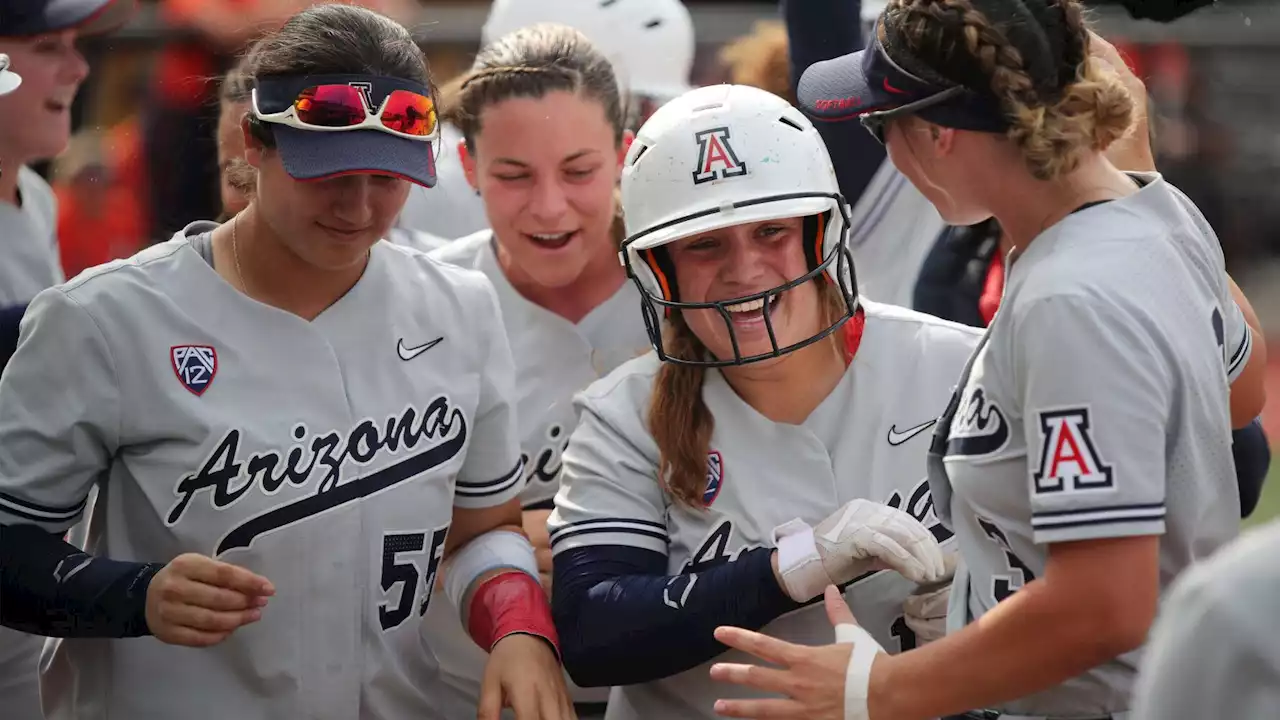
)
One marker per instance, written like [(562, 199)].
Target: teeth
[(750, 306), (556, 236)]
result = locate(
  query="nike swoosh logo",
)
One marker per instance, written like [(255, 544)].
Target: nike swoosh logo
[(409, 353), (897, 438)]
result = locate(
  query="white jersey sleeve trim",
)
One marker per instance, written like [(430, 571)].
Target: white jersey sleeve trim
[(490, 492), (610, 531), (27, 510), (1240, 358), (1094, 523)]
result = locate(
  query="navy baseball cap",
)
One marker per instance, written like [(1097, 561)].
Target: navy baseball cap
[(875, 83), (318, 155), (22, 18)]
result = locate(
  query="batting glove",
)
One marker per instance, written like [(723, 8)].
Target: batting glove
[(859, 538)]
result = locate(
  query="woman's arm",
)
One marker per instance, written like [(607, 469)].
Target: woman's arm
[(820, 30), (619, 614), (1096, 601)]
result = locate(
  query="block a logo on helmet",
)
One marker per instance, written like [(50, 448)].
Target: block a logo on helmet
[(716, 158)]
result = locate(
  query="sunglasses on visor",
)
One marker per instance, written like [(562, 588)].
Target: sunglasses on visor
[(403, 113), (875, 122)]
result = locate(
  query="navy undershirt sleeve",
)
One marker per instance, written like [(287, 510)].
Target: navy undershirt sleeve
[(10, 319), (820, 30), (50, 587), (1252, 453), (623, 620)]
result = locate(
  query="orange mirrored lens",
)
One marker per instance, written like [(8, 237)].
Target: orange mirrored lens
[(409, 113), (330, 106)]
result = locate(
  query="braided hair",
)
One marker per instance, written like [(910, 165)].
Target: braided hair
[(1033, 57)]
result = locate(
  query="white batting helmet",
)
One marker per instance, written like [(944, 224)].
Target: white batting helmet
[(721, 156), (9, 80), (650, 42)]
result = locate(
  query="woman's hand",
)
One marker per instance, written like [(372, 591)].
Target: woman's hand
[(198, 601), (524, 674), (535, 526), (813, 679)]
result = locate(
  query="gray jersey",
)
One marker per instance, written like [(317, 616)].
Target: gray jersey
[(452, 208), (555, 359), (867, 439), (29, 260), (326, 456), (1213, 652), (1098, 408), (30, 263)]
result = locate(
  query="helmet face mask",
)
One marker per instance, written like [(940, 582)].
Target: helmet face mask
[(720, 157)]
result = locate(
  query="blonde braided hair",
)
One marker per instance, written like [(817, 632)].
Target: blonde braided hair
[(1055, 122)]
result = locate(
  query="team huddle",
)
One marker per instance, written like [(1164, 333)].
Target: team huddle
[(656, 426)]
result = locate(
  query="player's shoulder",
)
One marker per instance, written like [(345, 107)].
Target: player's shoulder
[(626, 389), (416, 239), (895, 326), (140, 273), (439, 274), (466, 251), (36, 193)]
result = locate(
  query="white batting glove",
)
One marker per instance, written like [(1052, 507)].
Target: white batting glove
[(858, 538), (925, 609)]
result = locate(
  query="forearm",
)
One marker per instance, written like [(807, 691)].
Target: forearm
[(619, 614), (1032, 641), (820, 30), (49, 587)]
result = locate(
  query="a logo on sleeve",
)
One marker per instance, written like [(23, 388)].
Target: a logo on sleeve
[(195, 366), (715, 477), (979, 428), (716, 157), (1069, 459)]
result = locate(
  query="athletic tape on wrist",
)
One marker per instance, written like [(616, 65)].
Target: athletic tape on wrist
[(507, 604), (494, 550), (799, 564), (857, 677)]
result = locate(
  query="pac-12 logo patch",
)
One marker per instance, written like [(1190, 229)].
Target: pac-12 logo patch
[(716, 157), (1069, 461), (195, 366), (715, 477)]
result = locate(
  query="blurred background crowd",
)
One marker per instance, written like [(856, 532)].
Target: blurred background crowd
[(144, 158)]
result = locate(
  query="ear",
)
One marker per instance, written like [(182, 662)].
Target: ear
[(253, 148), (628, 137), (468, 165), (944, 139)]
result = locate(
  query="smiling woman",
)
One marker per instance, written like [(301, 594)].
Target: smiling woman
[(542, 120)]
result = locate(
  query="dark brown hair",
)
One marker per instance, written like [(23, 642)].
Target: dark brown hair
[(533, 62), (1033, 57)]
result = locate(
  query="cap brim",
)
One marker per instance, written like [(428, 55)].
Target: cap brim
[(9, 81), (839, 89), (309, 155), (790, 207), (90, 17)]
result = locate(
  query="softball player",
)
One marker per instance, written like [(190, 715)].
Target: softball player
[(1085, 456), (776, 410), (1211, 653), (570, 314), (35, 124), (280, 480), (650, 43)]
